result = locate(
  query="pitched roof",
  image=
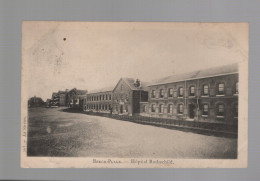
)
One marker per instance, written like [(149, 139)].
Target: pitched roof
[(78, 92), (61, 92), (131, 83), (54, 93), (81, 92), (210, 72), (105, 89)]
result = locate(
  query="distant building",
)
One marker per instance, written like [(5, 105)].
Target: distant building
[(74, 96), (55, 99), (48, 103), (62, 98), (99, 100), (35, 102)]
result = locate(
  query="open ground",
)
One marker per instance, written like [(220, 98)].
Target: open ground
[(53, 132)]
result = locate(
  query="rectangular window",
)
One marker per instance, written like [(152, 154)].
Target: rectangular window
[(153, 108), (220, 110), (180, 108), (170, 108), (221, 89), (180, 92), (170, 92), (205, 90), (161, 93), (205, 109), (144, 108), (153, 94), (192, 91), (161, 108)]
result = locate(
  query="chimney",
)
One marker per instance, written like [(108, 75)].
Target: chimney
[(137, 83)]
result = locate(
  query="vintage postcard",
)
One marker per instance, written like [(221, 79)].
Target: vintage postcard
[(134, 95)]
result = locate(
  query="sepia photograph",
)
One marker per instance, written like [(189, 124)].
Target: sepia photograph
[(134, 95)]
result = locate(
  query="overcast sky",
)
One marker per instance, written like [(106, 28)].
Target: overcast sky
[(91, 55)]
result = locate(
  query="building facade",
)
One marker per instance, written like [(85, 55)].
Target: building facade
[(127, 96), (48, 103), (122, 99), (207, 95), (55, 99), (75, 97), (99, 101), (62, 98)]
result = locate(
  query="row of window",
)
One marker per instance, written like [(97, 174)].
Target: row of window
[(99, 97), (98, 107), (121, 109), (220, 109), (205, 91)]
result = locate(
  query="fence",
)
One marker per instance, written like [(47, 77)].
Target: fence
[(218, 129)]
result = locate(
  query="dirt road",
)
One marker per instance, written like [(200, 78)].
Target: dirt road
[(53, 132)]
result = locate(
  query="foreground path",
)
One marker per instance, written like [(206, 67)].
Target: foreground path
[(76, 134), (126, 139)]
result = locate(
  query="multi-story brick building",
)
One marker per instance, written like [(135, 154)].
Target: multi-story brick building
[(127, 96), (99, 100), (74, 97), (123, 99), (62, 98), (206, 95), (55, 99)]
